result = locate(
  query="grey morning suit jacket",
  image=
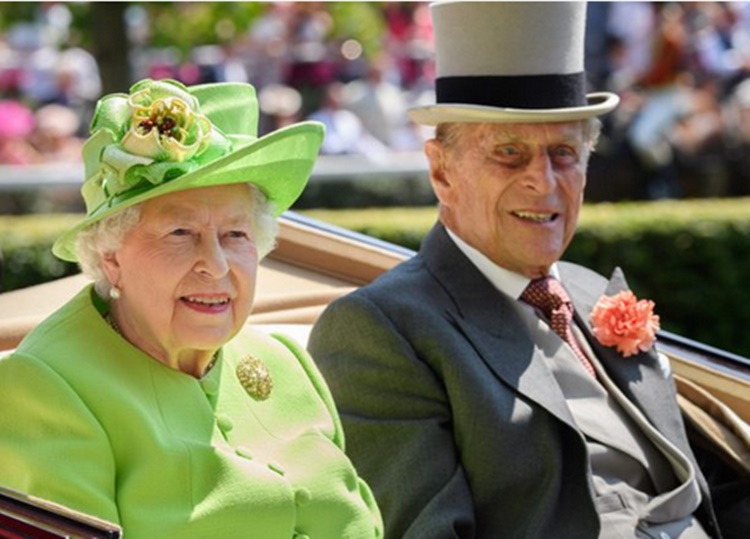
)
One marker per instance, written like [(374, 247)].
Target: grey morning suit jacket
[(452, 416)]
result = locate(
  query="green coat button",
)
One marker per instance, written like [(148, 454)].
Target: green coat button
[(302, 496), (225, 424)]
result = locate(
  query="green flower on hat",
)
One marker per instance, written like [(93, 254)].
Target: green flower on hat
[(153, 135), (165, 126)]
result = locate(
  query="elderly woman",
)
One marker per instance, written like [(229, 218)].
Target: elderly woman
[(145, 400)]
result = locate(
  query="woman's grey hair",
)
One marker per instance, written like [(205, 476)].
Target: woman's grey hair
[(107, 235)]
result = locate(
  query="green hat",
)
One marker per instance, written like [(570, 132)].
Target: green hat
[(165, 137)]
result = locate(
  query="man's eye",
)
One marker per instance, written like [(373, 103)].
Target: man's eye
[(564, 154), (180, 232), (238, 234), (509, 154), (508, 150)]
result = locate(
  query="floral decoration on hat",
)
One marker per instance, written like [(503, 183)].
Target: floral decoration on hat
[(164, 126), (154, 134), (625, 322)]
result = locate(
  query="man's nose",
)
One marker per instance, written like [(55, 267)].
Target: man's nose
[(540, 174)]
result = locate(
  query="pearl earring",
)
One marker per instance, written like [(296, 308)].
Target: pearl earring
[(114, 293)]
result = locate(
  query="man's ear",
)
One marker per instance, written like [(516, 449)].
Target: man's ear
[(111, 267), (439, 177)]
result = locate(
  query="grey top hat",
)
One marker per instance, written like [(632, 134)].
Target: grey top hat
[(511, 62)]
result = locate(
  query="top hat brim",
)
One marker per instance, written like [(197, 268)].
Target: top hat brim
[(598, 103), (279, 164)]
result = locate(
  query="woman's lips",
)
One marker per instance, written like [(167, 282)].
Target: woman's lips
[(207, 304)]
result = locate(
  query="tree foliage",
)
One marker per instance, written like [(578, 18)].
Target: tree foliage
[(185, 25), (110, 30)]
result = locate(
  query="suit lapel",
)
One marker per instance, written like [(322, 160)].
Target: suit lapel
[(488, 320), (639, 377)]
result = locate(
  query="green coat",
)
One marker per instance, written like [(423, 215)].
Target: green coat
[(91, 422)]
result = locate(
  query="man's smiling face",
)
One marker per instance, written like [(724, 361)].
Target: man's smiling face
[(512, 191)]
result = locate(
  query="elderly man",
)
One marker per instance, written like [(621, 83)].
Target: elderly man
[(478, 397)]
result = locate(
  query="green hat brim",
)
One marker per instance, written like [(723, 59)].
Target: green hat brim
[(279, 164)]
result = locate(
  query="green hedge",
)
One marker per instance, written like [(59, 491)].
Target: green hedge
[(25, 246), (690, 257)]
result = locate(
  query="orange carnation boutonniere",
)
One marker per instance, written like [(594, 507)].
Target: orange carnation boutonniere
[(625, 322)]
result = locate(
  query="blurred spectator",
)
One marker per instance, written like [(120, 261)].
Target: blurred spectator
[(595, 42), (164, 64), (41, 70), (55, 137), (312, 64), (378, 101), (37, 61), (56, 143), (309, 27), (77, 77), (10, 70), (738, 114), (633, 23), (409, 39), (16, 125), (666, 98), (409, 137), (698, 143), (77, 83), (345, 133), (266, 51), (218, 63), (721, 44), (737, 133), (280, 106)]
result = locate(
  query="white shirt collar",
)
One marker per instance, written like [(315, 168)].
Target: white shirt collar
[(506, 281)]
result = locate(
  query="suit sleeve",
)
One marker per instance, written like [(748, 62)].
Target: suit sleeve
[(51, 446), (397, 421)]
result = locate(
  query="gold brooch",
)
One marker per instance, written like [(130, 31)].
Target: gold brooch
[(255, 378)]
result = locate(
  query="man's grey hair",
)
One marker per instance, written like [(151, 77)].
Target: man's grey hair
[(94, 242), (449, 133)]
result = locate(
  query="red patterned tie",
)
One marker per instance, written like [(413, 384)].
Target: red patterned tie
[(548, 295)]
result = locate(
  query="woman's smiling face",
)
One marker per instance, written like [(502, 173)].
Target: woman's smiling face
[(187, 274)]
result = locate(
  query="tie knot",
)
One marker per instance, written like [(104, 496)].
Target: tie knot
[(547, 295)]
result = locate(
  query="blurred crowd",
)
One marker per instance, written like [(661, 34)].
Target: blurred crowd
[(46, 92), (682, 70)]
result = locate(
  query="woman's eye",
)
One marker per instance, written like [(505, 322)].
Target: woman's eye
[(180, 232), (238, 234)]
